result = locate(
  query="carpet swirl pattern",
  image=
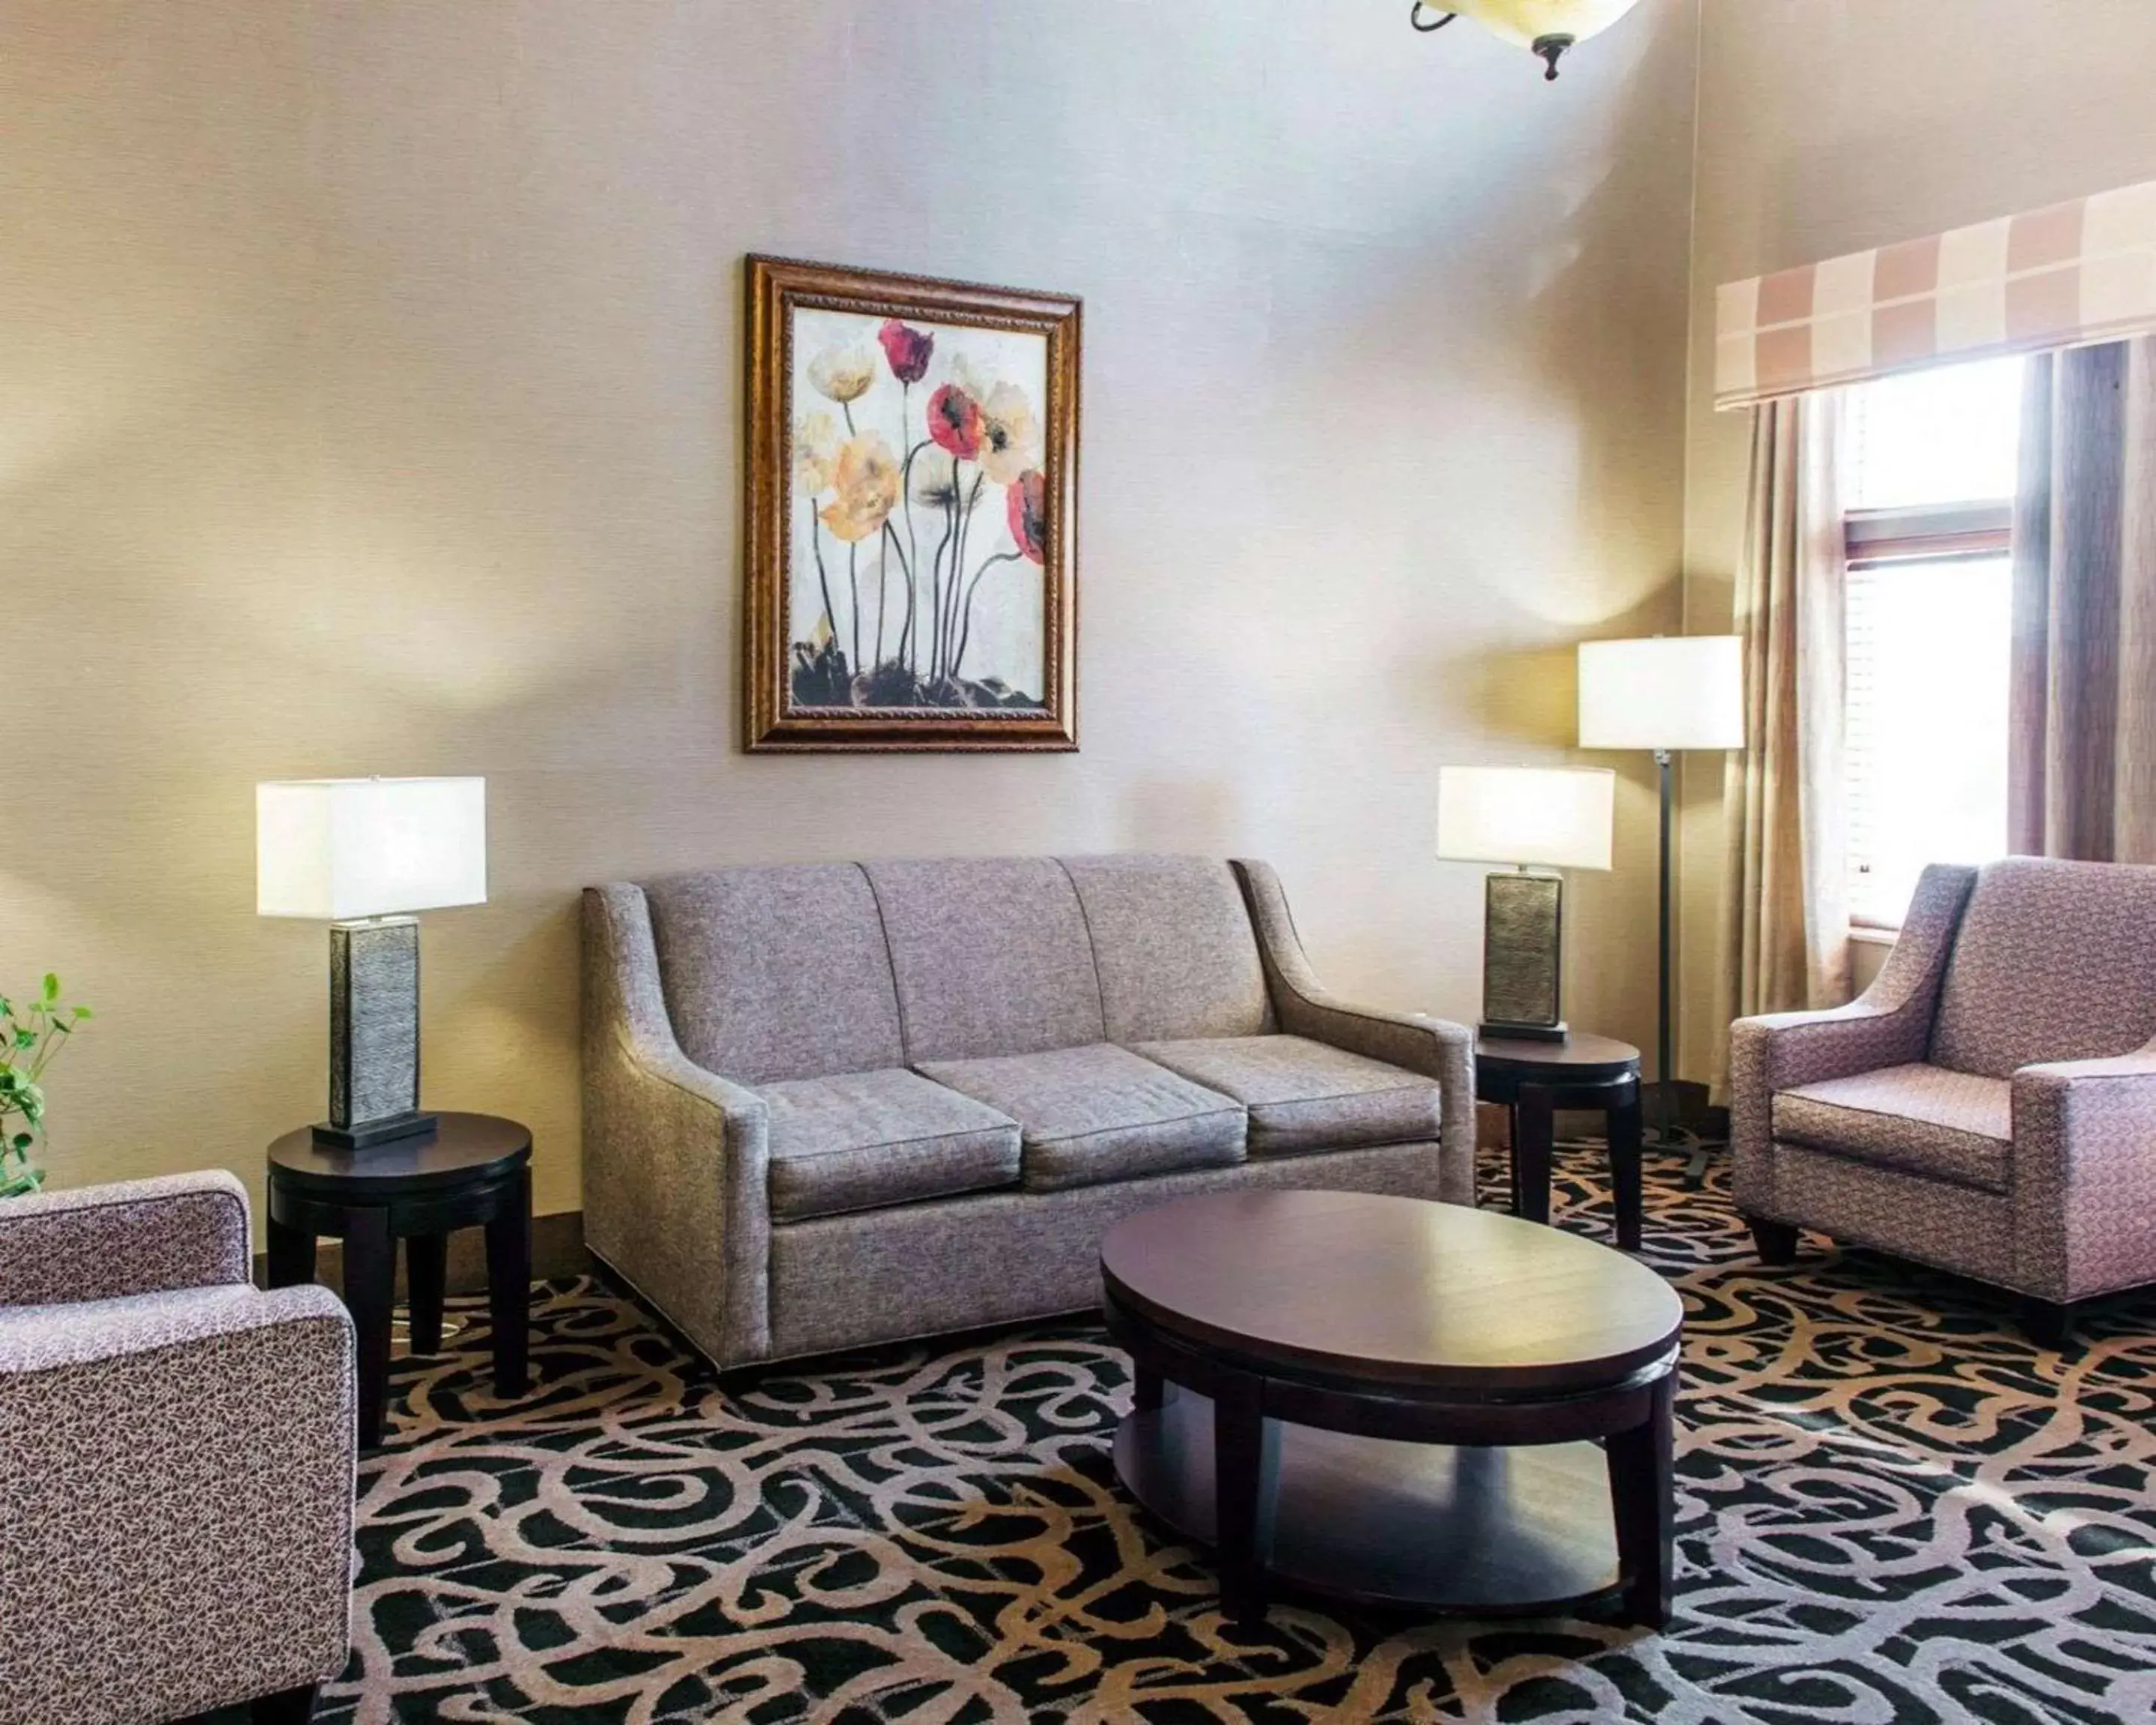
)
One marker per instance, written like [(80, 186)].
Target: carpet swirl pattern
[(1893, 1510)]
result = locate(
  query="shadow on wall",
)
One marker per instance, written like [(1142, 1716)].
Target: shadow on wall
[(1197, 817)]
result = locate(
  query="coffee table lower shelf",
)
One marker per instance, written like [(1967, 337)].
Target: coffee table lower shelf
[(1484, 1532)]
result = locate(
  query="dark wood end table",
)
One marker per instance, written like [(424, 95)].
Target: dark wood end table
[(1399, 1402), (473, 1172), (1536, 1079)]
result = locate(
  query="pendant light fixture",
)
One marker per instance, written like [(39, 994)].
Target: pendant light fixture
[(1547, 27)]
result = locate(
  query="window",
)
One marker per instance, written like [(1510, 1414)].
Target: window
[(1931, 464)]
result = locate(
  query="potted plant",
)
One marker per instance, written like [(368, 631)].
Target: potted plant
[(30, 1036)]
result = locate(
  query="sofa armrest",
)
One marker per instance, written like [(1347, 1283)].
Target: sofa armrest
[(676, 1158), (136, 1237), (231, 1578), (1436, 1048), (1889, 1025), (2084, 1179)]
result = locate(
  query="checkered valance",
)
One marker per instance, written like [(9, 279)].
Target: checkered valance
[(2062, 277)]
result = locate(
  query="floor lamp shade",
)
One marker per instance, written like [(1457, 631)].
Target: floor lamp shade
[(1672, 692), (1556, 817), (363, 855)]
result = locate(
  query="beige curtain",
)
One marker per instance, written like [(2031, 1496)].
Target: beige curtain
[(1788, 896), (2081, 773)]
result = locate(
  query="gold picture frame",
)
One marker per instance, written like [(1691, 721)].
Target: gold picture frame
[(911, 513)]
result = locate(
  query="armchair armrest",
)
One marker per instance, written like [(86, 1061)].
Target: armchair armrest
[(230, 1578), (136, 1237), (1436, 1048), (2084, 1179), (676, 1158), (1889, 1025)]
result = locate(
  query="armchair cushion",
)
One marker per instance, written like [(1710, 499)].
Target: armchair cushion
[(138, 1237), (1305, 1096), (1099, 1113), (864, 1140), (1920, 1119)]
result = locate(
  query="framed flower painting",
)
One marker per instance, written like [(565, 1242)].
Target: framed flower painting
[(912, 493)]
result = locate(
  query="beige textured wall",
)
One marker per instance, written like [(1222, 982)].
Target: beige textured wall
[(372, 387), (1828, 126)]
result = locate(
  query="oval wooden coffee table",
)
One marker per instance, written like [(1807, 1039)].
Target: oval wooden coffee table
[(1399, 1402)]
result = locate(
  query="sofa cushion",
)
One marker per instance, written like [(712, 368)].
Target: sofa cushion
[(1101, 1113), (773, 974), (1305, 1096), (1172, 938), (991, 956), (866, 1140), (1924, 1120), (2053, 961)]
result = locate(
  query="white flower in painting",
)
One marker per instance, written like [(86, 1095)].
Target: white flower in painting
[(1010, 436), (815, 454), (937, 483), (843, 373)]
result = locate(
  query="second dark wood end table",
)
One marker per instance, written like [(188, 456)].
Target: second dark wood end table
[(1536, 1079), (475, 1170)]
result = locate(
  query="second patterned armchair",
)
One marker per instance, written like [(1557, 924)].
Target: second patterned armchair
[(1989, 1106), (176, 1496)]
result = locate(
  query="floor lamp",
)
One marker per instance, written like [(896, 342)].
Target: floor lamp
[(1672, 693)]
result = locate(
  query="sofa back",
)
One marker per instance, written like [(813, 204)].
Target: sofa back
[(2054, 961), (772, 973), (777, 972)]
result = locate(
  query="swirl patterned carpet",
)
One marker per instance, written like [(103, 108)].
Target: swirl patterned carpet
[(1891, 1509)]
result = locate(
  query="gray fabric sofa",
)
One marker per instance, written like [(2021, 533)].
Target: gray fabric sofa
[(832, 1105)]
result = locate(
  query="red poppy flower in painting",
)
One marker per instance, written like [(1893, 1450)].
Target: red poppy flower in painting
[(908, 350), (954, 421), (1028, 501)]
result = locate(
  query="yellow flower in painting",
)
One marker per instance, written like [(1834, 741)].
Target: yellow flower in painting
[(1010, 436), (843, 373), (867, 475), (815, 454)]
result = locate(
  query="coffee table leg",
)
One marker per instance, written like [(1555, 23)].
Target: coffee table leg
[(1643, 1490), (509, 1288), (1624, 1170), (1241, 1490), (1534, 1132), (370, 1275), (1147, 1391), (426, 1273)]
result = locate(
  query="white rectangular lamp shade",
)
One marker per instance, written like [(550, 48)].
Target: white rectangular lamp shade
[(1556, 817), (1672, 692), (340, 849)]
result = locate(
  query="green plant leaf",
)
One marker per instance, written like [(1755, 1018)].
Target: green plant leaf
[(52, 988), (26, 1038), (81, 1013)]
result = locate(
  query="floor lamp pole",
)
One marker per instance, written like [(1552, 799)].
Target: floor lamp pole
[(1664, 1054)]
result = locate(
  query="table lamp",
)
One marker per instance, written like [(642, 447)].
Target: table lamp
[(1527, 817), (363, 855), (1670, 693)]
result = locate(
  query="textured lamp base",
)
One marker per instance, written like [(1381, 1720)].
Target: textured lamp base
[(374, 1035), (1524, 1033), (1522, 936), (389, 1131)]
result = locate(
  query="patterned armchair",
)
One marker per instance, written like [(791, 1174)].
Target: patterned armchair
[(1989, 1106), (176, 1463)]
